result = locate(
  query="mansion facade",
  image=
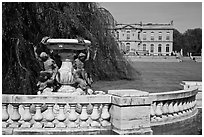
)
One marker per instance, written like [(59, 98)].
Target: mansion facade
[(145, 39)]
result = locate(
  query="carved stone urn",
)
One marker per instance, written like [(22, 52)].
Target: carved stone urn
[(66, 49)]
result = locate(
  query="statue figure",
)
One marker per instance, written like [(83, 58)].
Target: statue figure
[(80, 75), (70, 77), (47, 76)]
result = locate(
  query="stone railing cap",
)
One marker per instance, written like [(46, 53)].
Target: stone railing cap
[(192, 83), (128, 93)]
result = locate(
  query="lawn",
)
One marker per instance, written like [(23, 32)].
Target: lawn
[(156, 77)]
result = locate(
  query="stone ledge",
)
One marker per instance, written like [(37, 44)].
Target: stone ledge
[(143, 131), (173, 94), (130, 101), (55, 99), (189, 84), (129, 97), (128, 93), (55, 131)]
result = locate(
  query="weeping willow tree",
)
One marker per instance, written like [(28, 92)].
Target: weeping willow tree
[(25, 24)]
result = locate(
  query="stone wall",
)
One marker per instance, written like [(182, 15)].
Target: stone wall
[(119, 112)]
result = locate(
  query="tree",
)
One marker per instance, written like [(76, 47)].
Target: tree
[(25, 24), (193, 40), (177, 40), (189, 41)]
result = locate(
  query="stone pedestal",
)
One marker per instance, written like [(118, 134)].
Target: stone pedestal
[(130, 112)]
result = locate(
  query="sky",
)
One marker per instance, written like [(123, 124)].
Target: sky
[(186, 15)]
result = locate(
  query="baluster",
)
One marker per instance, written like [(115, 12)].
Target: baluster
[(105, 115), (78, 108), (95, 116), (61, 116), (194, 103), (38, 117), (152, 112), (180, 107), (50, 116), (176, 110), (188, 105), (194, 99), (72, 116), (5, 115), (89, 109), (165, 110), (184, 107), (83, 116), (15, 117), (27, 116), (158, 111), (171, 110), (89, 112)]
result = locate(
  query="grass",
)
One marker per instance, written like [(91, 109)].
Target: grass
[(156, 77)]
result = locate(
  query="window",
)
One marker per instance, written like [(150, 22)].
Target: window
[(167, 36), (127, 47), (160, 36), (167, 47), (152, 48), (152, 35), (144, 47), (159, 47), (128, 34), (144, 36), (133, 30), (117, 35)]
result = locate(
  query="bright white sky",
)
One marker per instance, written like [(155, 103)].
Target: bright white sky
[(186, 15)]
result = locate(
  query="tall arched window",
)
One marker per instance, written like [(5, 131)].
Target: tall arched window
[(117, 35), (128, 34), (152, 48), (167, 47), (144, 47), (159, 48), (127, 47)]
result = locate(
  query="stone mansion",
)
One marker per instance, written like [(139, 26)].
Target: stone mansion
[(145, 39)]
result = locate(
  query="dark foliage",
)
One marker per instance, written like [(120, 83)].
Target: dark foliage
[(189, 41), (25, 24), (177, 40)]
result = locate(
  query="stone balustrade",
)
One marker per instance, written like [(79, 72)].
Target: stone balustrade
[(118, 112), (55, 112), (195, 84), (169, 107)]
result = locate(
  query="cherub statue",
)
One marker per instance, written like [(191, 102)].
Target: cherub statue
[(80, 75), (47, 76)]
